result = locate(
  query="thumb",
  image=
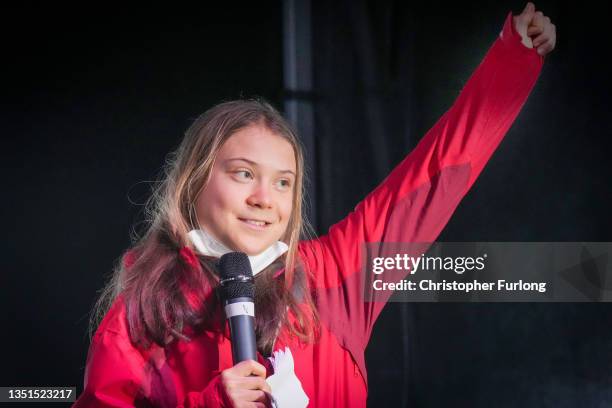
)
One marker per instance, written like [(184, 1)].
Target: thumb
[(527, 14)]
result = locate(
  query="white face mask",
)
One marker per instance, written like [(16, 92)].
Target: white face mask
[(207, 245)]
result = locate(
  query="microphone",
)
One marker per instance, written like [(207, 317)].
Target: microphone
[(237, 293)]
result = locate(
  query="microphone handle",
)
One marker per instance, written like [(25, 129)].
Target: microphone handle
[(241, 315)]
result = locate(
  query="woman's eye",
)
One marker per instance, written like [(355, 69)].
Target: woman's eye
[(284, 184), (244, 174)]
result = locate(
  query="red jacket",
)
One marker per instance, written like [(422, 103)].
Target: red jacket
[(412, 204)]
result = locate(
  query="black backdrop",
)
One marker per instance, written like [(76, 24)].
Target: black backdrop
[(95, 99)]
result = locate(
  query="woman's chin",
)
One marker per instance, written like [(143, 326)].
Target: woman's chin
[(251, 249)]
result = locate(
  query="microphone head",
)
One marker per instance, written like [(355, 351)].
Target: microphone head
[(236, 276)]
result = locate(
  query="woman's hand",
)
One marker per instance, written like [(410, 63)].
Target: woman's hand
[(245, 385), (536, 30)]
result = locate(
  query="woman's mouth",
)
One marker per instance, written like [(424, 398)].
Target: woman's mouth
[(255, 224)]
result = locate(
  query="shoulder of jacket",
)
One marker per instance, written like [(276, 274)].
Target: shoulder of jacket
[(115, 320)]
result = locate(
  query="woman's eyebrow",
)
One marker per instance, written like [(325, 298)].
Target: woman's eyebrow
[(251, 162)]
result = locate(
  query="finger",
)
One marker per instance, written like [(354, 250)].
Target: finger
[(534, 30), (529, 8), (254, 383), (553, 36), (263, 397), (538, 20), (540, 39), (258, 369), (251, 396), (545, 48), (249, 367), (267, 388), (527, 14), (242, 369), (247, 398)]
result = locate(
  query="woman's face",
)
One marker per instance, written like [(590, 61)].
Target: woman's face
[(249, 198)]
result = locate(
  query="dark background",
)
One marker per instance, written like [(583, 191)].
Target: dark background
[(95, 99)]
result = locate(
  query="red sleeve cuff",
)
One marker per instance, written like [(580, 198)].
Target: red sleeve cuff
[(212, 396)]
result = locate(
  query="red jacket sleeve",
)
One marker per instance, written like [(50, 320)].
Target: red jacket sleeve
[(116, 374), (113, 373), (416, 200)]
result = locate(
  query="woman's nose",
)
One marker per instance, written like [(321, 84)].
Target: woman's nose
[(260, 197)]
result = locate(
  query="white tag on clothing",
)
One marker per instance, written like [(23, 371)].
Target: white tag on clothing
[(207, 245), (286, 388)]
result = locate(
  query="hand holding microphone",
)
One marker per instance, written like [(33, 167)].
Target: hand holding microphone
[(244, 383)]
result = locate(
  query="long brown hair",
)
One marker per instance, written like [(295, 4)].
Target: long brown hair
[(164, 290)]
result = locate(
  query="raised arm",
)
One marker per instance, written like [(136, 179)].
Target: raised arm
[(416, 200)]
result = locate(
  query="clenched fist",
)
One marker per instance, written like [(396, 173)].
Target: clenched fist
[(245, 385), (536, 29)]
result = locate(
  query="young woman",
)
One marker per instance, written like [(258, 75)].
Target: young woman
[(235, 184)]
